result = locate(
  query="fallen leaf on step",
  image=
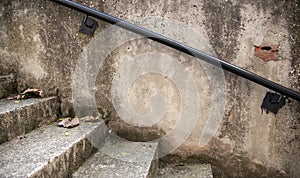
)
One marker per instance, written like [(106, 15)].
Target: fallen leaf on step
[(74, 123), (28, 93), (90, 119), (32, 93), (64, 122), (12, 97), (69, 122)]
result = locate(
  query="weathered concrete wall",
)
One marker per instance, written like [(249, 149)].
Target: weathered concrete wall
[(247, 139), (40, 42)]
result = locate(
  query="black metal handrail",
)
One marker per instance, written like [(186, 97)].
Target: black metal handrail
[(182, 47)]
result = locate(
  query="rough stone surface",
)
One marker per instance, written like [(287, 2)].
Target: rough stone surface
[(49, 151), (18, 117), (40, 41), (7, 85), (121, 158), (248, 142), (185, 171)]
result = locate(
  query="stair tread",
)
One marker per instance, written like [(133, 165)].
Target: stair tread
[(121, 158), (38, 153), (11, 105)]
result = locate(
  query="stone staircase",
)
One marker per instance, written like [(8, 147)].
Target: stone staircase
[(32, 145)]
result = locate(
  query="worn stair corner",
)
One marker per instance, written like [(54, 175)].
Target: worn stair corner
[(18, 117), (50, 152)]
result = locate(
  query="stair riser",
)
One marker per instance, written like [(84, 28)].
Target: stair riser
[(153, 169), (64, 165)]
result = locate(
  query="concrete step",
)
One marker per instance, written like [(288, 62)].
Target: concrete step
[(20, 117), (50, 151), (7, 85), (121, 158), (185, 171)]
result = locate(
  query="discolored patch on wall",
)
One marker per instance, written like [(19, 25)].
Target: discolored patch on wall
[(267, 53)]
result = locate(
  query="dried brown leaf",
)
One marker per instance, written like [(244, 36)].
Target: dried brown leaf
[(32, 93), (90, 119), (69, 123), (28, 93)]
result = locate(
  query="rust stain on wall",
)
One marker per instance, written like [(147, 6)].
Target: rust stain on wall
[(267, 53)]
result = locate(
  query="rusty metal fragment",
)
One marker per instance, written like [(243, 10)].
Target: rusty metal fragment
[(267, 53)]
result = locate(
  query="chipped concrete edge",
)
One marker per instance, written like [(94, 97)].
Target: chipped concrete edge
[(154, 163)]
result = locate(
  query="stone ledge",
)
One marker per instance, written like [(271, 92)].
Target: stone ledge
[(50, 152), (20, 117)]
